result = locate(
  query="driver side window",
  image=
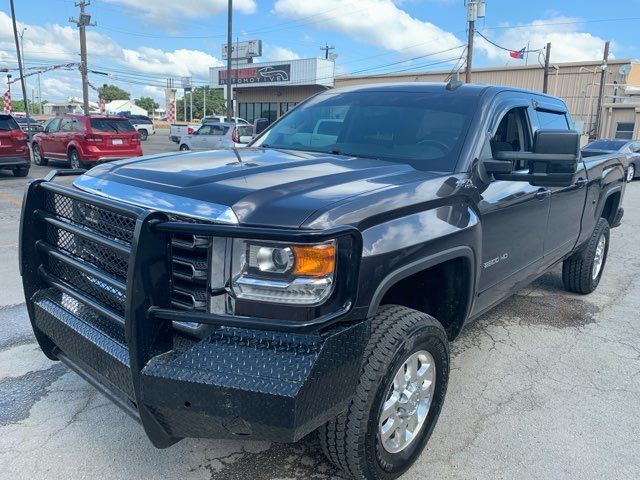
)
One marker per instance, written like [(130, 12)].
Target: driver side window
[(513, 135)]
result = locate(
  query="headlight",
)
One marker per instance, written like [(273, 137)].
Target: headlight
[(283, 273)]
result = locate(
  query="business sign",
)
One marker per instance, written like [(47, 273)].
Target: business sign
[(268, 74), (186, 83), (247, 49)]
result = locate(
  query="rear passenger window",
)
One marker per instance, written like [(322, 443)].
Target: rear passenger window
[(552, 120)]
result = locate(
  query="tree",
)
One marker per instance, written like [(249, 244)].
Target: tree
[(148, 103), (215, 103), (113, 92)]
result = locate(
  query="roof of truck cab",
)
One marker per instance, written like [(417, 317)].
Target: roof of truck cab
[(465, 89)]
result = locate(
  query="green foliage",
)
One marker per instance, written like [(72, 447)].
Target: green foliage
[(148, 103), (17, 105), (215, 103), (113, 92)]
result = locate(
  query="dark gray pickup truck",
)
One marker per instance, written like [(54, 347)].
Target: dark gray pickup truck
[(314, 280)]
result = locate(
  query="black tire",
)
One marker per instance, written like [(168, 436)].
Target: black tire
[(351, 441), (184, 148), (38, 159), (143, 134), (21, 172), (578, 274), (74, 159)]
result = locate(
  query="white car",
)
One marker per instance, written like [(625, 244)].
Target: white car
[(143, 124), (223, 119), (216, 135)]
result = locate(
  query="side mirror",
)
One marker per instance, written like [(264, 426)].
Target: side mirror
[(244, 139), (552, 163), (260, 125)]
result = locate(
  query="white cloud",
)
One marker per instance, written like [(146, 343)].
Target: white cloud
[(166, 13), (380, 23), (279, 53), (179, 63), (568, 42)]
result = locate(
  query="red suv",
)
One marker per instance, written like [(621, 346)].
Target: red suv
[(14, 147), (86, 140)]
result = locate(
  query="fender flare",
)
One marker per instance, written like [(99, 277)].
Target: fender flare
[(605, 198), (422, 264)]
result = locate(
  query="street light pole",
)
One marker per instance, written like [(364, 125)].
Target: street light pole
[(475, 9), (83, 21), (24, 87), (229, 59)]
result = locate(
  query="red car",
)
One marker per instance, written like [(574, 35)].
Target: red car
[(86, 140), (14, 147)]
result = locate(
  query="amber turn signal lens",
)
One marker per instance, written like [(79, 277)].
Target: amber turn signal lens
[(315, 260)]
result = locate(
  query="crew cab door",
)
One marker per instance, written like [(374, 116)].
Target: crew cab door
[(200, 139), (513, 214), (567, 203), (47, 142)]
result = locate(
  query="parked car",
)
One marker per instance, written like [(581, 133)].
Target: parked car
[(282, 288), (629, 148), (142, 124), (14, 147), (29, 125), (215, 135), (179, 130), (86, 140)]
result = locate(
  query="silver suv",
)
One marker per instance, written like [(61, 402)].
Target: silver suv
[(215, 135)]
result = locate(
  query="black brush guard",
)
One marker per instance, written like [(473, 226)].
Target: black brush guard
[(96, 276)]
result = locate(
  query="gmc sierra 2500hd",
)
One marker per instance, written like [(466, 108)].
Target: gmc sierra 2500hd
[(313, 280)]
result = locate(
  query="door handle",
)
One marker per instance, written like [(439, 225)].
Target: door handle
[(542, 193), (581, 182)]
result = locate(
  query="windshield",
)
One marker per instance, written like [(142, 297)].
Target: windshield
[(606, 145), (106, 125), (424, 129)]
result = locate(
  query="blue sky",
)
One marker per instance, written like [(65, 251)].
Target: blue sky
[(139, 43)]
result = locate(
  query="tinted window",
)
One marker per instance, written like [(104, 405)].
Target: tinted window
[(245, 131), (552, 120), (53, 125), (8, 123), (219, 130), (66, 125), (606, 145), (424, 128), (111, 125)]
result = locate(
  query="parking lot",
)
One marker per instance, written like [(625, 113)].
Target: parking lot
[(545, 386)]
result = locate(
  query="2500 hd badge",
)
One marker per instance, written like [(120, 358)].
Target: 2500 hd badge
[(312, 281)]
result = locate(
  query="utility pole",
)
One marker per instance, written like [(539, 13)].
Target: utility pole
[(24, 87), (475, 9), (603, 79), (40, 109), (83, 21), (229, 59), (547, 57), (327, 49), (22, 55), (204, 102)]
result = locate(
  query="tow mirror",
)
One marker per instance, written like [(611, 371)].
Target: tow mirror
[(260, 125), (552, 163)]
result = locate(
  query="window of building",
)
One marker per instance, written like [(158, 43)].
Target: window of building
[(286, 106), (624, 130), (552, 120), (251, 111)]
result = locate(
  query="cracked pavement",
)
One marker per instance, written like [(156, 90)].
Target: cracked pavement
[(545, 386)]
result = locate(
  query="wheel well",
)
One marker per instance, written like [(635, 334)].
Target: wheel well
[(441, 291), (610, 209)]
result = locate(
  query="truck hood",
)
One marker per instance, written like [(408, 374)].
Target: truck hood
[(252, 186)]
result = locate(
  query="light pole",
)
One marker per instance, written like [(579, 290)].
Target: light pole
[(475, 9)]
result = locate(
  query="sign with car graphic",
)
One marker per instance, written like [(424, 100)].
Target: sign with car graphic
[(266, 74)]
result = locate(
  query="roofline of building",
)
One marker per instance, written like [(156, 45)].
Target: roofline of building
[(615, 61)]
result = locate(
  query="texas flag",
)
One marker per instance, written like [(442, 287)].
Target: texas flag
[(517, 53)]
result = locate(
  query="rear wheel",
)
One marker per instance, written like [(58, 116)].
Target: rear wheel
[(74, 159), (398, 397), (21, 172), (581, 272), (631, 172), (143, 134), (184, 147), (38, 159)]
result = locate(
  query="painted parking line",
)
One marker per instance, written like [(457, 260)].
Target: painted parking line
[(9, 198)]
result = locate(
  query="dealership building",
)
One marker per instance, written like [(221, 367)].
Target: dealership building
[(269, 89)]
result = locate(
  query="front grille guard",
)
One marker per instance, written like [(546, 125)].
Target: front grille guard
[(148, 316)]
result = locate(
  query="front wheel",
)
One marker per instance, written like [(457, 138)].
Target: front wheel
[(184, 148), (631, 172), (582, 271), (143, 134), (38, 159), (397, 400)]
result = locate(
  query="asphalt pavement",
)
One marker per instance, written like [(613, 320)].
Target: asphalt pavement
[(545, 386)]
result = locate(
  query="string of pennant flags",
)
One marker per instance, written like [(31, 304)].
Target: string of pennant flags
[(512, 53)]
